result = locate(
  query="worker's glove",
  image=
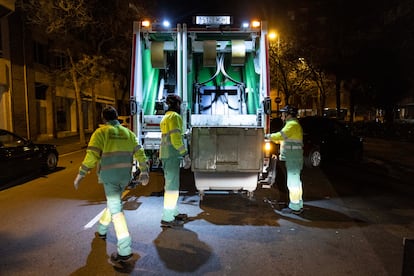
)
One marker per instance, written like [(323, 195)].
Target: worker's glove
[(77, 181), (187, 134), (267, 136), (187, 162), (143, 178)]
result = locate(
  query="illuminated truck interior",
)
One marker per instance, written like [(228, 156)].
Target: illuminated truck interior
[(220, 72)]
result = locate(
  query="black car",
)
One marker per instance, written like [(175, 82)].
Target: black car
[(326, 139), (20, 157)]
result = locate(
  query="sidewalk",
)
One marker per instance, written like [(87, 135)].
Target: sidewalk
[(66, 144)]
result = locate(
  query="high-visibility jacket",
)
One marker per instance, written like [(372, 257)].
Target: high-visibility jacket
[(172, 144), (114, 147), (290, 138)]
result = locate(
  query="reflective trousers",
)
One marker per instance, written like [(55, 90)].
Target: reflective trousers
[(294, 165), (171, 168), (113, 212)]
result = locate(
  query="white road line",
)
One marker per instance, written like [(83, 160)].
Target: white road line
[(98, 216), (94, 220), (69, 153)]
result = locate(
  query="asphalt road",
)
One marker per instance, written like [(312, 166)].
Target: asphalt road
[(356, 218)]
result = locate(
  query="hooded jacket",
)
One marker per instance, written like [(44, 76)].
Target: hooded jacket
[(114, 147), (290, 138), (172, 144)]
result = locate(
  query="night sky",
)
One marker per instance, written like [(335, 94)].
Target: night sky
[(181, 11)]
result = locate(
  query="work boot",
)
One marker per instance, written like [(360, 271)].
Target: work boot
[(171, 224), (101, 236), (182, 217), (291, 211), (118, 259)]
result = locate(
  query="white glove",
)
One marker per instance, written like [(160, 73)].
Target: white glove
[(143, 178), (77, 181), (267, 136), (187, 162)]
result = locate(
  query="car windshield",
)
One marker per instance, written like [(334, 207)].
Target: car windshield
[(10, 140)]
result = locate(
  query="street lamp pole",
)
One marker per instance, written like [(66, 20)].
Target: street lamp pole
[(272, 37)]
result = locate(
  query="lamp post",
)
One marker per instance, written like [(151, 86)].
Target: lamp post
[(273, 36)]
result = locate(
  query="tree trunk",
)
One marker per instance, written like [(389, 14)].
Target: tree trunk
[(95, 123), (338, 95), (82, 139)]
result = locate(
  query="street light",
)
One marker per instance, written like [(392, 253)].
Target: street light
[(273, 35)]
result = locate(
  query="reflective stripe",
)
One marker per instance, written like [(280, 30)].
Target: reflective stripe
[(173, 131), (117, 153), (105, 218), (170, 199), (84, 168), (115, 166), (293, 141), (292, 147), (121, 228), (285, 137), (95, 149)]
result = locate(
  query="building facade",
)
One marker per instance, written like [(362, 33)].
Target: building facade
[(32, 103)]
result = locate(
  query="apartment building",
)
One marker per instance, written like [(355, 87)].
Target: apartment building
[(32, 103)]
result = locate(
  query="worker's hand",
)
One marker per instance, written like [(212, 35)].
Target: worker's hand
[(143, 178), (187, 162), (267, 136), (77, 181)]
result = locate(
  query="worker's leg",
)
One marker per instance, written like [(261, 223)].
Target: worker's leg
[(281, 182), (294, 183), (104, 222), (113, 192), (171, 190), (122, 234)]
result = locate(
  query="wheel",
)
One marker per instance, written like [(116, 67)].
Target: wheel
[(313, 160), (50, 162)]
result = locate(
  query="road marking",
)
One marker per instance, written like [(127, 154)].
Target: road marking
[(94, 220), (69, 153), (98, 216)]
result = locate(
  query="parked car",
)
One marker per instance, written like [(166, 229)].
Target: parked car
[(20, 157), (327, 139), (324, 139)]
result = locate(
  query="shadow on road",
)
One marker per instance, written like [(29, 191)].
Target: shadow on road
[(98, 262), (181, 250), (27, 178)]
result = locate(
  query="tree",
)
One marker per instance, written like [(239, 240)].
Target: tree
[(95, 35), (288, 73)]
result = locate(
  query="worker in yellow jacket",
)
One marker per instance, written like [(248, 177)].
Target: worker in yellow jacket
[(290, 138), (172, 152), (113, 147)]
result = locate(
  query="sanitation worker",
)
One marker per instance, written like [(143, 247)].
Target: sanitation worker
[(172, 151), (290, 138), (113, 147)]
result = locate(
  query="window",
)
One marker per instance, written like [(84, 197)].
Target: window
[(40, 53), (59, 61), (40, 90), (63, 118)]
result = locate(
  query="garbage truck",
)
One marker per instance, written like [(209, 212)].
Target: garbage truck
[(220, 71)]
